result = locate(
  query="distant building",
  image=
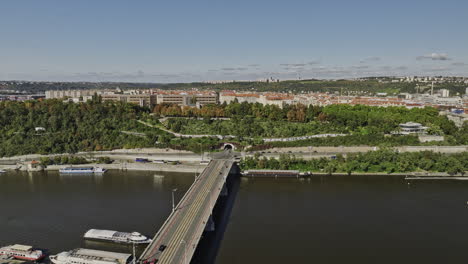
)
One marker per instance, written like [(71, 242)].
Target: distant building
[(430, 138), (182, 98), (444, 93), (147, 100), (405, 96), (59, 94), (458, 118), (230, 96), (412, 128)]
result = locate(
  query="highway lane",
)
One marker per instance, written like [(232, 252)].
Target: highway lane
[(182, 231), (184, 234)]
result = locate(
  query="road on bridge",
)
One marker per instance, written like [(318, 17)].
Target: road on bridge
[(178, 238)]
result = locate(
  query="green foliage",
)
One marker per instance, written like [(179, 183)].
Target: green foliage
[(366, 124), (104, 160), (63, 160), (385, 160), (69, 127)]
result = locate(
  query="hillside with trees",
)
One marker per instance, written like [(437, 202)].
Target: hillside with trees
[(364, 124), (53, 126), (68, 127)]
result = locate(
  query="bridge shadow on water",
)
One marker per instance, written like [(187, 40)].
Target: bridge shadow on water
[(210, 242)]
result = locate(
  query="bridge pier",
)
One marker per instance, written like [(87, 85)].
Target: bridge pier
[(210, 224), (224, 191)]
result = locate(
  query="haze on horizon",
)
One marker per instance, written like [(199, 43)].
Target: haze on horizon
[(185, 41)]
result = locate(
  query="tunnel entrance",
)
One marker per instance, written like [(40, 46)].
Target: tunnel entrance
[(228, 146)]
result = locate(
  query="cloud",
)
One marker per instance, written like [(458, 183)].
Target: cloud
[(459, 64), (253, 65), (401, 68), (434, 56), (126, 76), (293, 64), (360, 67), (437, 69), (314, 62), (370, 59), (235, 69)]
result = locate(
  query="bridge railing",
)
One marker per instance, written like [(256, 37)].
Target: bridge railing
[(171, 215)]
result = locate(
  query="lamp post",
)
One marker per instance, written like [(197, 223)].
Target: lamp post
[(134, 255), (185, 250), (173, 200), (201, 151)]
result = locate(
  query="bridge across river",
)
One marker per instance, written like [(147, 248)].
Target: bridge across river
[(177, 239)]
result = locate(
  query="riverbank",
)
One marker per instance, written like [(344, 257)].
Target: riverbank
[(344, 174), (188, 156), (183, 168), (356, 149), (122, 155)]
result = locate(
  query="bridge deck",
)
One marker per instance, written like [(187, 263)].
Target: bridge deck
[(183, 229)]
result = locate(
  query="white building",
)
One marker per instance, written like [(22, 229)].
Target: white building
[(412, 128), (444, 93)]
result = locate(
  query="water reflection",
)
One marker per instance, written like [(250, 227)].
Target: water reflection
[(53, 211), (158, 181), (318, 220)]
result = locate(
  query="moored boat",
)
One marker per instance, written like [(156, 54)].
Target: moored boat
[(22, 252), (82, 170), (90, 256), (115, 236)]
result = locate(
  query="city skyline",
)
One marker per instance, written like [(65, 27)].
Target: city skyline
[(204, 41)]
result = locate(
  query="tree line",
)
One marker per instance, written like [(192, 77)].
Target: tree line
[(385, 160)]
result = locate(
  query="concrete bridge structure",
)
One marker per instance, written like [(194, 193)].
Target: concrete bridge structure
[(178, 238)]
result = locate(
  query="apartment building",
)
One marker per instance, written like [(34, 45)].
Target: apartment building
[(59, 94), (187, 98), (147, 100)]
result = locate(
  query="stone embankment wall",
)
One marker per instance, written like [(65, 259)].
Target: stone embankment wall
[(335, 150), (138, 166)]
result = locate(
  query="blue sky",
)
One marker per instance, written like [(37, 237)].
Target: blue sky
[(198, 40)]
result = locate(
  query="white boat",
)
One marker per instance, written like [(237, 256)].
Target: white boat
[(115, 236), (90, 256), (22, 252), (82, 170)]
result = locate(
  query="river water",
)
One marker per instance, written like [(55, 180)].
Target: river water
[(321, 220)]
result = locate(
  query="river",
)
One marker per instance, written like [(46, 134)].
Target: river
[(350, 219)]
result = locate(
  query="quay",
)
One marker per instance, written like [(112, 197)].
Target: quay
[(274, 173)]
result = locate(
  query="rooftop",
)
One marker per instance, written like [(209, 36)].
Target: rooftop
[(21, 247)]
